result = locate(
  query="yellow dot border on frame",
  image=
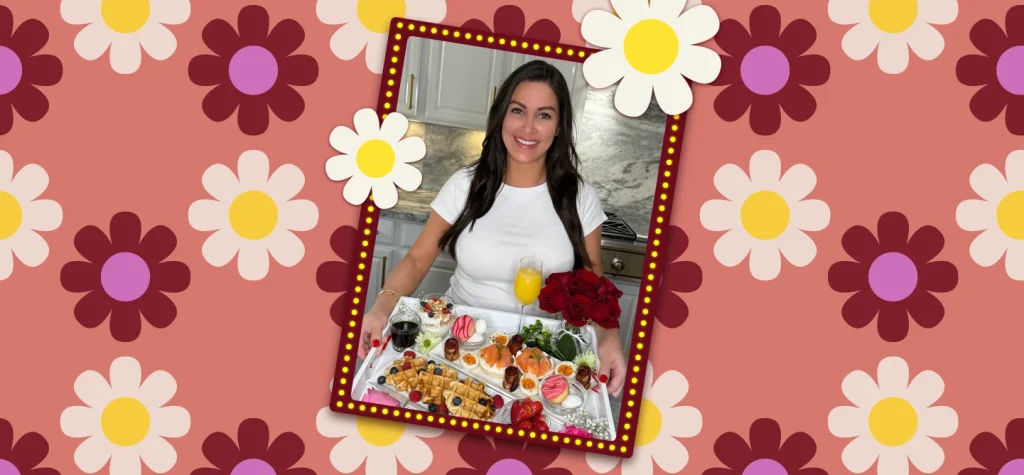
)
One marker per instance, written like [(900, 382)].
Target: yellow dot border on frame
[(391, 81)]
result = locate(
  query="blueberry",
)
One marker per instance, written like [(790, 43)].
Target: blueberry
[(438, 371), (381, 380), (394, 370), (423, 303), (457, 401), (482, 401), (432, 408), (449, 306), (430, 314)]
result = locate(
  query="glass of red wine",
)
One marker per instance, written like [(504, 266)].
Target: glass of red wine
[(404, 327)]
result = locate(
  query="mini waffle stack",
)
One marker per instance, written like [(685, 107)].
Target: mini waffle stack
[(404, 380), (433, 380), (467, 399)]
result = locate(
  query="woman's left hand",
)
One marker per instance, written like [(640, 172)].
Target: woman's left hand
[(609, 349)]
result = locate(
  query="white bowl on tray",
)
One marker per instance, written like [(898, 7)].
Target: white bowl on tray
[(576, 391), (431, 321)]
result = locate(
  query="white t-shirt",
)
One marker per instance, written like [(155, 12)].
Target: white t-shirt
[(522, 223)]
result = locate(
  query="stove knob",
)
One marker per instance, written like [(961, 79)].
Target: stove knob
[(617, 264)]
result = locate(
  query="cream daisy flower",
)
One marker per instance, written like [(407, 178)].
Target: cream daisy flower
[(21, 215), (365, 24), (893, 420), (253, 214), (375, 156), (658, 426), (893, 26), (765, 215), (382, 444), (126, 27), (126, 420), (999, 214), (651, 48)]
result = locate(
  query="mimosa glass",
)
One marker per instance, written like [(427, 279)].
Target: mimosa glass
[(528, 281)]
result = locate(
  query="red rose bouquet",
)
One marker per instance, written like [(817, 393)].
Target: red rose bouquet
[(581, 296)]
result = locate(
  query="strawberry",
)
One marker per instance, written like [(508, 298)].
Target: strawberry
[(409, 354), (527, 424), (540, 425), (499, 402), (518, 415), (528, 410), (537, 407)]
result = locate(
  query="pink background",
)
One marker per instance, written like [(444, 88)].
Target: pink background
[(266, 349)]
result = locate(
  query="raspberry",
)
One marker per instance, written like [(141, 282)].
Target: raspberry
[(442, 408), (407, 365), (415, 396), (409, 354), (498, 401)]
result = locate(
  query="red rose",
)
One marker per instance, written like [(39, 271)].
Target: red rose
[(578, 311), (554, 297), (606, 313), (585, 282), (608, 290)]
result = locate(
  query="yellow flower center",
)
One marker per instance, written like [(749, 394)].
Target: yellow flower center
[(125, 421), (378, 432), (764, 215), (649, 425), (375, 158), (10, 215), (376, 15), (125, 16), (892, 16), (893, 421), (1009, 215), (253, 215), (651, 46)]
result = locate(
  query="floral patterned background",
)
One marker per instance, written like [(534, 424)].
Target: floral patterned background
[(847, 236)]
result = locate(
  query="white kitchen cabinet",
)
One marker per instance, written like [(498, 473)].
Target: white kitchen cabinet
[(380, 266), (410, 89), (572, 71), (462, 82)]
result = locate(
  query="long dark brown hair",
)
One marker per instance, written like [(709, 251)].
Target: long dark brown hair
[(561, 163)]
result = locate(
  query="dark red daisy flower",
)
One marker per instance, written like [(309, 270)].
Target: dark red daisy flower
[(124, 276), (893, 276), (253, 70), (765, 454), (335, 276), (505, 456), (22, 457), (767, 70), (510, 20), (21, 70), (255, 453), (1000, 68), (996, 458), (682, 276)]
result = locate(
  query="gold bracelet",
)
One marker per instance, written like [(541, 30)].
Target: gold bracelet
[(387, 291)]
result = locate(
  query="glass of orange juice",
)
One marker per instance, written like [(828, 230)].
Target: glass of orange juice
[(529, 278)]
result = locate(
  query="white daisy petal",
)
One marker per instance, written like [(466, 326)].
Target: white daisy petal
[(860, 389), (221, 183), (357, 189), (348, 454), (938, 421), (6, 169), (633, 95), (925, 389), (125, 376), (345, 140), (989, 247), (424, 432), (406, 177), (696, 25), (848, 12), (81, 12), (285, 183), (171, 12), (580, 8), (1014, 169), (6, 262), (158, 454), (893, 376), (253, 169), (415, 456), (732, 182), (847, 421), (394, 127), (299, 215), (988, 182), (125, 462), (926, 41), (285, 247), (670, 455), (810, 215), (670, 388), (603, 463), (78, 421), (379, 462), (208, 215), (426, 10), (860, 41), (893, 461), (604, 68), (411, 149), (893, 55), (367, 123), (253, 260), (765, 169), (92, 388), (29, 247), (673, 93), (349, 40), (975, 215), (375, 51), (641, 463), (732, 247), (765, 262), (221, 247), (93, 454), (683, 421), (158, 389), (797, 182), (158, 41), (341, 167), (333, 424), (125, 54), (43, 215), (602, 29), (939, 12), (797, 247), (719, 215), (925, 454), (385, 195), (1014, 262), (93, 41), (29, 183), (860, 454), (171, 421), (629, 10), (336, 12)]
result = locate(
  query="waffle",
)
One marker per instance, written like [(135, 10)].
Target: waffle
[(404, 380), (431, 385), (470, 392)]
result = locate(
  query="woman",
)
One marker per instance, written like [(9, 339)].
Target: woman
[(523, 197)]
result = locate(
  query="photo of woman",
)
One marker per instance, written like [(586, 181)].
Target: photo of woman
[(524, 197)]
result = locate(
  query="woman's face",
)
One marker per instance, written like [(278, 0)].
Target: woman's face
[(531, 122)]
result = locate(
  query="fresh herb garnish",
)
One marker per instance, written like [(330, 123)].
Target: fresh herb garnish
[(537, 335)]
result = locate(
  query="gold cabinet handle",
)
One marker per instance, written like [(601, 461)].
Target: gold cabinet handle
[(383, 269), (408, 93)]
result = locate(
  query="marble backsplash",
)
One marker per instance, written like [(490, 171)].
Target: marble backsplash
[(619, 156)]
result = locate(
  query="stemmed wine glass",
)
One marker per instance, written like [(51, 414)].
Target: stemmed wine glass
[(529, 278)]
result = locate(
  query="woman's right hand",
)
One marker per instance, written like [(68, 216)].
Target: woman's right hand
[(373, 325)]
